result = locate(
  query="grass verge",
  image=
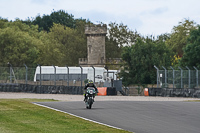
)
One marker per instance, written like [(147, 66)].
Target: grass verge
[(20, 115)]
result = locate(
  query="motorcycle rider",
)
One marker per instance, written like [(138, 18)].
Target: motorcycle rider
[(89, 84)]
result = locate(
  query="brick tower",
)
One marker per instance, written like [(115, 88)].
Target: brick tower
[(95, 46)]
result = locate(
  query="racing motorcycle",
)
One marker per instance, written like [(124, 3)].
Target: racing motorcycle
[(90, 94)]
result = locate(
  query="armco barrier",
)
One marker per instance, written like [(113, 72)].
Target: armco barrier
[(111, 91), (167, 92), (48, 89), (103, 91), (51, 89)]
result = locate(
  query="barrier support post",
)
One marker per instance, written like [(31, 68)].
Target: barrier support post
[(26, 73), (54, 75), (165, 76), (157, 74), (188, 75), (67, 75), (173, 75), (40, 74), (81, 75), (181, 76), (197, 78), (94, 73)]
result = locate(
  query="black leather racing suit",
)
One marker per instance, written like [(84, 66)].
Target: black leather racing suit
[(89, 85)]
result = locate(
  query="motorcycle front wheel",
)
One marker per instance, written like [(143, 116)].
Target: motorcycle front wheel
[(89, 104)]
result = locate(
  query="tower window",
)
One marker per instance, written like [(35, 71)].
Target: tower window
[(90, 47)]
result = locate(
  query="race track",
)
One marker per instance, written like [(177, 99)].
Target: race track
[(139, 116)]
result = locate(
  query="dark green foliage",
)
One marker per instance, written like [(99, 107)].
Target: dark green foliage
[(118, 36), (60, 17), (112, 49), (179, 36), (140, 60), (23, 43), (191, 56), (18, 43)]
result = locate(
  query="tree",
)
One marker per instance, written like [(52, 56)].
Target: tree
[(18, 44), (59, 17), (118, 36), (191, 55), (70, 43), (23, 43), (3, 23), (112, 49), (179, 36), (50, 53), (140, 59), (121, 34)]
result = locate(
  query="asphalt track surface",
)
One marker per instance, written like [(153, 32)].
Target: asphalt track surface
[(138, 116)]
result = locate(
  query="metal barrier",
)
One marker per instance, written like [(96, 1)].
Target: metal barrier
[(173, 92), (178, 79), (25, 79), (47, 89)]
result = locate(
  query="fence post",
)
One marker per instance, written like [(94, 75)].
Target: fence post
[(197, 78), (173, 75), (81, 75), (189, 76), (10, 71), (40, 74), (40, 78), (26, 73), (181, 76), (165, 76), (107, 71), (94, 73), (67, 75), (157, 75), (54, 75)]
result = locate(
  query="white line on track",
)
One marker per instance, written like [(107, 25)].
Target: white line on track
[(78, 116)]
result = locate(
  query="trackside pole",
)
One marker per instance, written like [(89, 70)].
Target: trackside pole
[(165, 76), (54, 75), (157, 74), (67, 75), (188, 75), (181, 76), (94, 73), (197, 78), (81, 75), (173, 75), (26, 73), (40, 74)]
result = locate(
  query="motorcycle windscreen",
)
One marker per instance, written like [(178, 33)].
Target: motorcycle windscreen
[(102, 91)]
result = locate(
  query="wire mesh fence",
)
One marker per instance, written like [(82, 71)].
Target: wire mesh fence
[(25, 79), (17, 75), (51, 76), (53, 79), (179, 79)]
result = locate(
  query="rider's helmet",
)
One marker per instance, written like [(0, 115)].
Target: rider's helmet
[(90, 81)]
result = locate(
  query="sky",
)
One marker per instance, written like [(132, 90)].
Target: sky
[(148, 17)]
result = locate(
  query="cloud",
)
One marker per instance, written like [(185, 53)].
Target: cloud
[(100, 16), (146, 16), (159, 11)]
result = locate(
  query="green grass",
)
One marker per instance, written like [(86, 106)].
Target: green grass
[(20, 115)]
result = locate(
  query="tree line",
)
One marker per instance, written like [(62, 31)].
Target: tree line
[(59, 39)]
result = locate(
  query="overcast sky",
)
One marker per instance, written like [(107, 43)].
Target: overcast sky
[(148, 17)]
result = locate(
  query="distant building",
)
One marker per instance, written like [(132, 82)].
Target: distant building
[(95, 46)]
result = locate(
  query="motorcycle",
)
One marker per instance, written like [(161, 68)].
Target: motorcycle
[(90, 94)]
